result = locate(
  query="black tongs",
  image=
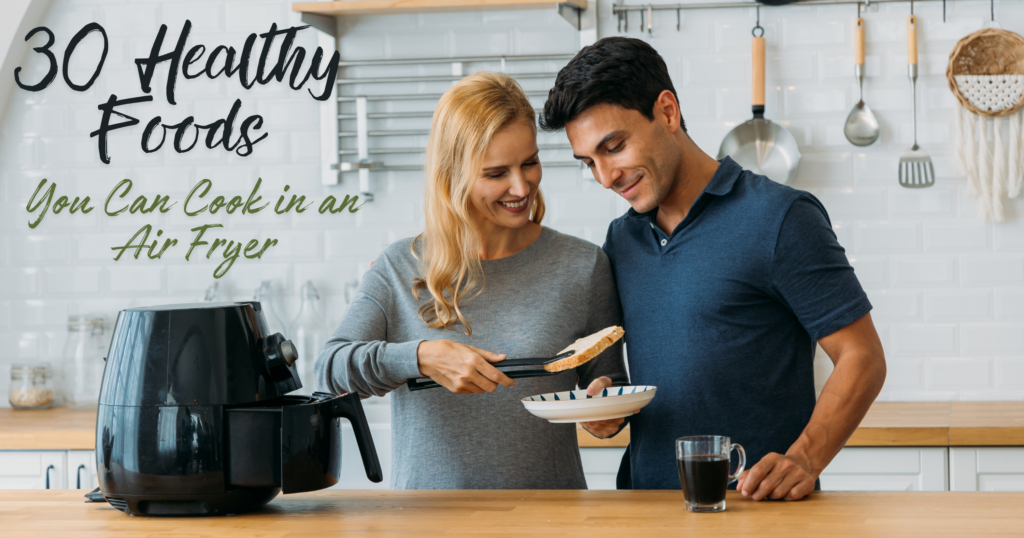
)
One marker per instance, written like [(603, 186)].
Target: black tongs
[(420, 383)]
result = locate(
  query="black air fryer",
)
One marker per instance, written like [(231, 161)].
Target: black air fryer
[(194, 416)]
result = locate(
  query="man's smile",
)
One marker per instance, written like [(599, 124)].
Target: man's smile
[(632, 183)]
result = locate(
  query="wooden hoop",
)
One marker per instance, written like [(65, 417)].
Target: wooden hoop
[(992, 51)]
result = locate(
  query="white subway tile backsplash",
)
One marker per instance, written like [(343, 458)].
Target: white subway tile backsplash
[(19, 281), (893, 237), (993, 338), (919, 396), (992, 269), (72, 280), (1010, 373), (862, 203), (803, 101), (826, 169), (206, 17), (839, 66), (938, 277), (935, 202), (959, 373), (925, 271), (875, 168), (246, 277), (956, 237), (904, 374), (896, 305), (871, 271), (135, 276), (715, 70), (1009, 236), (1009, 303), (991, 395), (38, 249), (793, 66), (804, 34), (937, 339), (958, 304), (354, 245), (39, 313)]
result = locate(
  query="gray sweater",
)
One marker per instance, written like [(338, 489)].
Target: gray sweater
[(534, 303)]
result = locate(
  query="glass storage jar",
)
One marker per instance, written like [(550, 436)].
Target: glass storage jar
[(31, 386), (308, 333), (83, 361)]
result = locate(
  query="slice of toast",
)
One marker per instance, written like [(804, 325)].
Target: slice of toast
[(586, 348)]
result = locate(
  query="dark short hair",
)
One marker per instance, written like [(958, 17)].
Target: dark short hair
[(619, 71)]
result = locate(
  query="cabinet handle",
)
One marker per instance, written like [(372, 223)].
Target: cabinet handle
[(78, 480), (48, 469)]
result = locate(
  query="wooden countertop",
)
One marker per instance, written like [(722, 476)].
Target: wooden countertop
[(886, 424), (914, 424), (59, 428), (42, 514)]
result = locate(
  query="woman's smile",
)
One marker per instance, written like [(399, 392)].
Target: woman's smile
[(515, 206)]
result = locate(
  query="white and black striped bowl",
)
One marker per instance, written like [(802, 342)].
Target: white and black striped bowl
[(578, 406)]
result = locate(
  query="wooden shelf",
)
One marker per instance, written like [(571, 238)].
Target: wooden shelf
[(382, 7)]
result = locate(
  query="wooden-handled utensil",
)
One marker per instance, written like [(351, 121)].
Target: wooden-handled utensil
[(861, 127), (916, 170), (575, 355), (758, 144)]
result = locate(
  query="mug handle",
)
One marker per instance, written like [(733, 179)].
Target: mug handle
[(743, 461)]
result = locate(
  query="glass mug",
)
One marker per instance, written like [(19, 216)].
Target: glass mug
[(704, 470)]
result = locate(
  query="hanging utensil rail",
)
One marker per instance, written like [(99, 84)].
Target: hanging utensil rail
[(622, 8), (414, 97), (465, 59)]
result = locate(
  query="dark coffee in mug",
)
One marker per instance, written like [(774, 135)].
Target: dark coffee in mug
[(704, 470), (704, 478)]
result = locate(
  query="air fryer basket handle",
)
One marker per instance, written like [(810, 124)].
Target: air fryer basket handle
[(348, 406)]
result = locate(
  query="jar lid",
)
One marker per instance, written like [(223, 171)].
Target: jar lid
[(35, 368), (81, 322)]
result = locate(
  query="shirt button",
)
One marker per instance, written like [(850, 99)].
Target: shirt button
[(664, 242), (652, 225)]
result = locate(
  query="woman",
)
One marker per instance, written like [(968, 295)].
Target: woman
[(484, 281)]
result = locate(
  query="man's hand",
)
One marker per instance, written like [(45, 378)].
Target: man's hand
[(602, 428), (776, 477)]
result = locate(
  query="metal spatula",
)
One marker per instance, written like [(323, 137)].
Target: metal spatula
[(916, 170)]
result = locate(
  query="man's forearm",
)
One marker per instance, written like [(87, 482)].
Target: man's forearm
[(845, 399)]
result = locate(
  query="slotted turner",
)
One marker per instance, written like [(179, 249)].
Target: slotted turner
[(916, 170)]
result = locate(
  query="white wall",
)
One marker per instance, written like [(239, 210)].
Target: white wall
[(948, 290)]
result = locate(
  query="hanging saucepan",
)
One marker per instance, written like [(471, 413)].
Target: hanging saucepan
[(759, 145)]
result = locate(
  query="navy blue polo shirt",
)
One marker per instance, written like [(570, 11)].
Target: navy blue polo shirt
[(723, 314)]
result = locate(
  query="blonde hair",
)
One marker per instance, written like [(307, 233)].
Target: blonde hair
[(468, 116)]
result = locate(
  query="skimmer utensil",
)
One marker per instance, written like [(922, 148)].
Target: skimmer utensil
[(916, 170)]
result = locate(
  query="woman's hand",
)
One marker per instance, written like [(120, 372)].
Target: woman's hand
[(602, 428), (460, 368)]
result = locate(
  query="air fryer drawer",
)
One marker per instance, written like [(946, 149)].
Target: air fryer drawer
[(254, 446)]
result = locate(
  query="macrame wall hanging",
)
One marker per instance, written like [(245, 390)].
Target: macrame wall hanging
[(986, 73)]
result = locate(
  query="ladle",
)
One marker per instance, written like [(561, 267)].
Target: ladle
[(861, 127)]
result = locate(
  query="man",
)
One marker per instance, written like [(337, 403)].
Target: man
[(727, 280)]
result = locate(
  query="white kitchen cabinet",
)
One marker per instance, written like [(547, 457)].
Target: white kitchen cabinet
[(81, 470), (600, 465), (33, 469), (986, 469), (887, 469)]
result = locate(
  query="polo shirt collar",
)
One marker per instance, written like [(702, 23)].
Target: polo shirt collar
[(721, 184)]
